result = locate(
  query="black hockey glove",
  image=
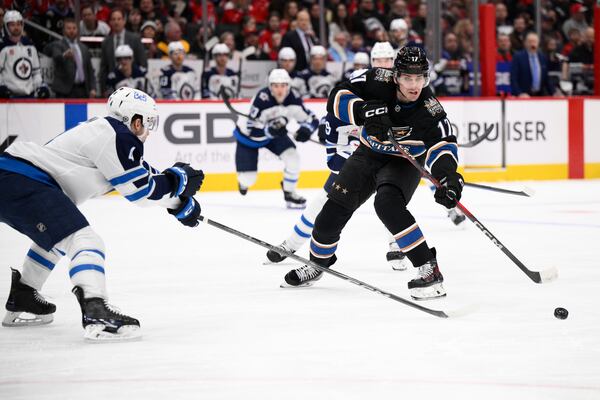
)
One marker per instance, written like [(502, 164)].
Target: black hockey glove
[(277, 127), (450, 191), (377, 122), (303, 134), (5, 92), (42, 92), (322, 133), (188, 212), (187, 180)]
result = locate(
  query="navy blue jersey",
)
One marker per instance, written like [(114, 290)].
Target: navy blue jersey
[(179, 84), (212, 82)]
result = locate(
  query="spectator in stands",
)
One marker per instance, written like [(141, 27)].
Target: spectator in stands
[(286, 59), (198, 47), (357, 43), (290, 13), (118, 37), (503, 64), (148, 31), (134, 21), (398, 10), (55, 15), (557, 64), (338, 50), (340, 21), (148, 10), (264, 38), (219, 75), (315, 17), (419, 21), (363, 18), (502, 23), (452, 74), (127, 73), (90, 26), (234, 54), (74, 76), (319, 81), (518, 34), (252, 49), (577, 19), (574, 41), (172, 34), (398, 33), (464, 33), (178, 81), (584, 53), (504, 48), (549, 30), (529, 70), (301, 39)]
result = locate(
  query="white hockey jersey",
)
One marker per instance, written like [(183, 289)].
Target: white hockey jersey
[(179, 84), (96, 156), (20, 67)]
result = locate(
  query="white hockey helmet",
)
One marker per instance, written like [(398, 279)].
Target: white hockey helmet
[(12, 16), (125, 103), (382, 50), (176, 46), (220, 48), (318, 51), (279, 75), (286, 53), (361, 58), (123, 51), (398, 24)]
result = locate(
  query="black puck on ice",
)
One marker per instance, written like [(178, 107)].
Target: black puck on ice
[(561, 313)]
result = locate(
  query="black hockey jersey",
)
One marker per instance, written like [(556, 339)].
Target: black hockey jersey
[(421, 126)]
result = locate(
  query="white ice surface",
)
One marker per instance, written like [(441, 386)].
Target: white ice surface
[(216, 324)]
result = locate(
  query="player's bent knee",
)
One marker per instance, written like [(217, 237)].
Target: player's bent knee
[(84, 239), (389, 198)]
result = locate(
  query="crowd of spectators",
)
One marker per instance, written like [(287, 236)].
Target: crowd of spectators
[(556, 63)]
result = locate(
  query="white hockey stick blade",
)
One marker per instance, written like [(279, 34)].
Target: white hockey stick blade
[(22, 319), (549, 274), (529, 191), (126, 333)]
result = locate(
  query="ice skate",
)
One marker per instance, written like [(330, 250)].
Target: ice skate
[(243, 190), (301, 277), (102, 322), (274, 257), (25, 306), (397, 260), (428, 283), (456, 216), (294, 201)]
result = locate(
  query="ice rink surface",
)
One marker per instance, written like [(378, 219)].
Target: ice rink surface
[(216, 324)]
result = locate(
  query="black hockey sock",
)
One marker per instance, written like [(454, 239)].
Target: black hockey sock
[(326, 232)]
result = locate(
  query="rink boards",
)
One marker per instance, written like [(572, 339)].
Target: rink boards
[(544, 138)]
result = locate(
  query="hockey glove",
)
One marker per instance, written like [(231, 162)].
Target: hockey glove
[(303, 134), (187, 179), (188, 212), (42, 92), (322, 133), (450, 191), (277, 127), (377, 122), (5, 92)]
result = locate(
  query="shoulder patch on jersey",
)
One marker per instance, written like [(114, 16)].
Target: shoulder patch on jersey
[(263, 96), (383, 75), (433, 106)]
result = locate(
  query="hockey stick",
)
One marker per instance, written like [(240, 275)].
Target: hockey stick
[(437, 313), (526, 192), (544, 276), (479, 139)]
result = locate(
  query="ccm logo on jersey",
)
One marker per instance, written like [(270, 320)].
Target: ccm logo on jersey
[(377, 111)]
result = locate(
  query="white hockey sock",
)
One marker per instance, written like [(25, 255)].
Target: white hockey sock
[(303, 228), (86, 251), (37, 266), (246, 178), (291, 170)]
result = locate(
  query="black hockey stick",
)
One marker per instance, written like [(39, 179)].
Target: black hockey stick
[(437, 313), (225, 98), (544, 276), (526, 192), (479, 139)]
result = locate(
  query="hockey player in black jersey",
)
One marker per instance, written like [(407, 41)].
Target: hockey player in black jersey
[(382, 100)]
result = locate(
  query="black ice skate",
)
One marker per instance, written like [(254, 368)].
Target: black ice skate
[(243, 190), (24, 299), (305, 275), (397, 260), (274, 257), (456, 216), (294, 200), (102, 322), (428, 283)]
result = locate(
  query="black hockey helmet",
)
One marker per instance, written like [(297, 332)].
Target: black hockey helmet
[(411, 60)]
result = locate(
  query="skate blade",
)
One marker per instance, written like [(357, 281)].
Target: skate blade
[(21, 318), (428, 293), (284, 262), (97, 334), (294, 206), (398, 265), (286, 285)]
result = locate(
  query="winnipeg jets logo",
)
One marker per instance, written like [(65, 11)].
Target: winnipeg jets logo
[(131, 154), (22, 68)]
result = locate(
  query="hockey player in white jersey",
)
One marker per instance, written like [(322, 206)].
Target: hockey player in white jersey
[(341, 139), (286, 59), (42, 187), (219, 75), (178, 81), (128, 74), (272, 108), (361, 61), (20, 74), (318, 80)]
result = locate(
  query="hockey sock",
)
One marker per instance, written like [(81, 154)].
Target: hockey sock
[(326, 232), (291, 170), (38, 265), (303, 228), (390, 206), (246, 178), (86, 251)]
